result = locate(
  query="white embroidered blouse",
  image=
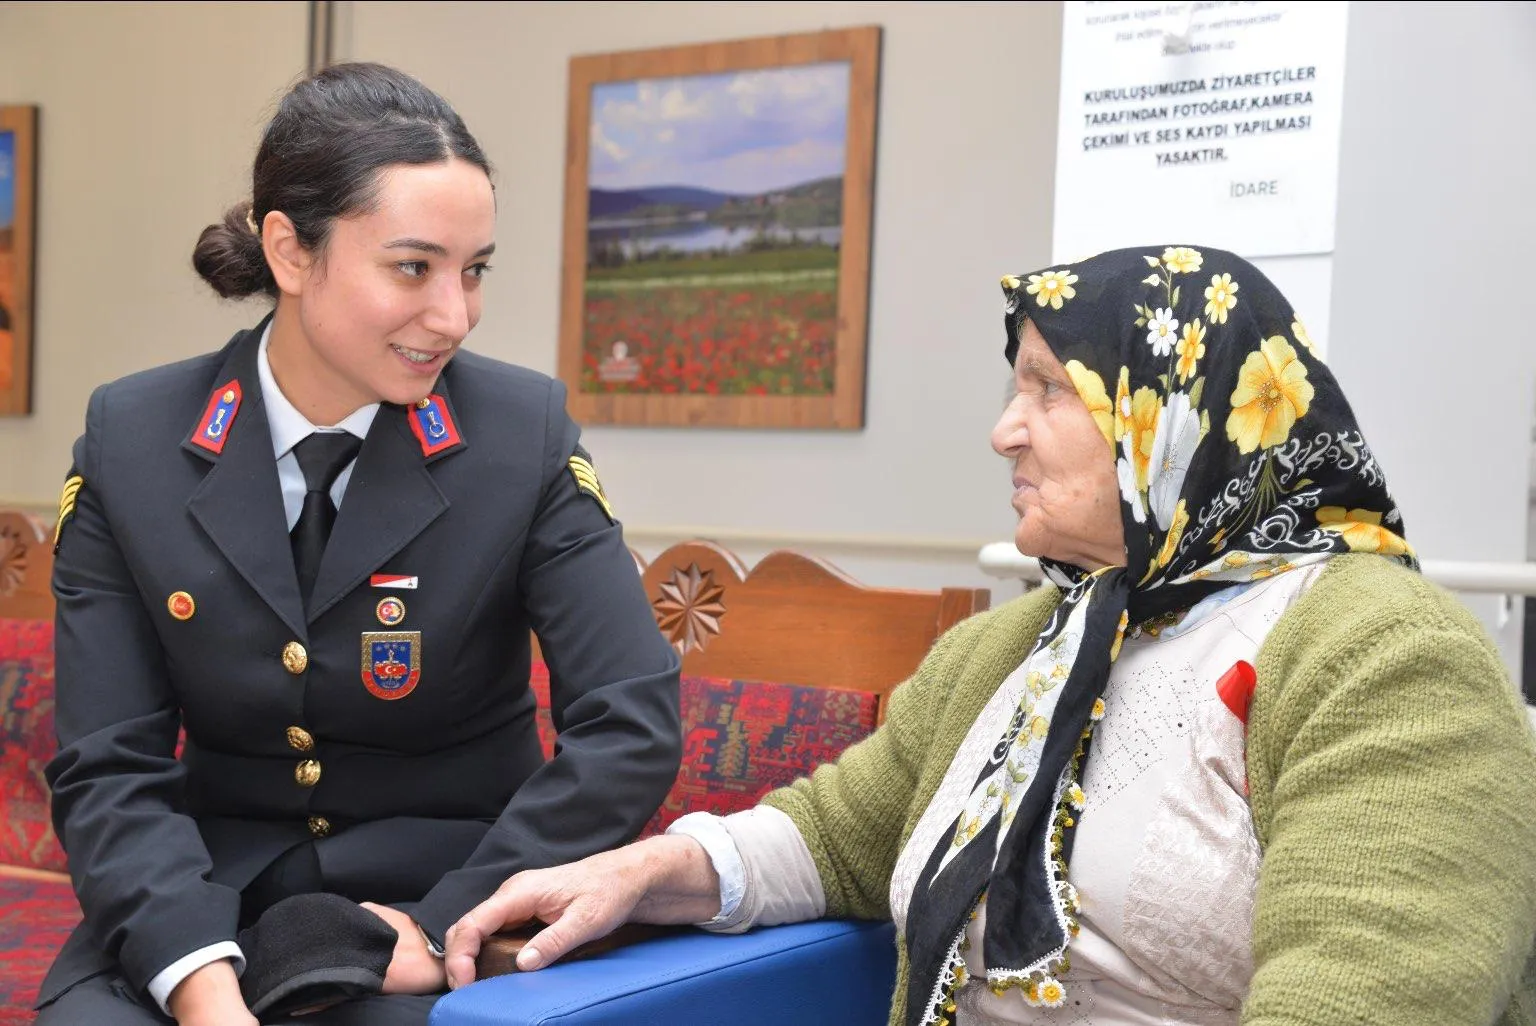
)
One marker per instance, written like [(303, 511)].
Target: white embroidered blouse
[(1165, 860)]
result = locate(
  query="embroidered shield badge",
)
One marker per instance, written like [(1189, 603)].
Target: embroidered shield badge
[(391, 663)]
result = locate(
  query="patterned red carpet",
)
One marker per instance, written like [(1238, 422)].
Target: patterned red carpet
[(35, 918)]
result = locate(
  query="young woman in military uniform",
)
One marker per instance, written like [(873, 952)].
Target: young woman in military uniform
[(319, 552)]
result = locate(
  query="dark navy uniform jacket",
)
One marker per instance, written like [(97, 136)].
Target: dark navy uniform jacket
[(433, 798)]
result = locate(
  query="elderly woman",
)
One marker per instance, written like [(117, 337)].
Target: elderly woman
[(1240, 763)]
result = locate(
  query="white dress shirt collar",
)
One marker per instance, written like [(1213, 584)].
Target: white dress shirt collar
[(289, 426)]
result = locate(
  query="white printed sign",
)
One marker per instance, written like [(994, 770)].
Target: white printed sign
[(1214, 124)]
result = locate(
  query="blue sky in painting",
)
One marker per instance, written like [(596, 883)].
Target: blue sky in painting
[(742, 132), (7, 178)]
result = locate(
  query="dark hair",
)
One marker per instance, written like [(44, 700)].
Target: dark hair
[(320, 159)]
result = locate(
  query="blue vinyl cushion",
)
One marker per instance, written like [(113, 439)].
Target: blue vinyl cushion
[(824, 972)]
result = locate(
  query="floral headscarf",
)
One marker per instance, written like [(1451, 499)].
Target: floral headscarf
[(1238, 459)]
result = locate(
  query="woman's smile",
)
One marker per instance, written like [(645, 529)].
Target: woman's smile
[(422, 360)]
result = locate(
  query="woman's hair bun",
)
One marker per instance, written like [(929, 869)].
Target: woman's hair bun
[(229, 257)]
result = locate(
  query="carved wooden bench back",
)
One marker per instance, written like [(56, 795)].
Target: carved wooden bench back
[(26, 567), (795, 619)]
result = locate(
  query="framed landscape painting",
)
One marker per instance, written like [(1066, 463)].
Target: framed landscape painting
[(717, 233), (18, 205)]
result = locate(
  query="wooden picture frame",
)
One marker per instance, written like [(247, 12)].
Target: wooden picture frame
[(700, 286), (18, 234)]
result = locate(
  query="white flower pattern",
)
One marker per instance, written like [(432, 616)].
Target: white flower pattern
[(1162, 331), (1173, 448), (1125, 469)]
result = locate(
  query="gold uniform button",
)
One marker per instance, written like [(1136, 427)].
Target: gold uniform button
[(301, 739), (307, 773), (295, 659), (319, 826)]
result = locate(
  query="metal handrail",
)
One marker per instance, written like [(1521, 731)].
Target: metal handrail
[(1002, 560)]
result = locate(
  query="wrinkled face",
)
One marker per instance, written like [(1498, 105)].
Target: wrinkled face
[(396, 291), (1064, 484)]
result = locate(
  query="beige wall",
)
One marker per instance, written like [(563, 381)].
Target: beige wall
[(962, 195), (150, 117), (151, 114), (1433, 188), (1432, 271)]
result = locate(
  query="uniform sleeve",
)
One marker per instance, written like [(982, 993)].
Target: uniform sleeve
[(613, 690), (139, 865), (1394, 787)]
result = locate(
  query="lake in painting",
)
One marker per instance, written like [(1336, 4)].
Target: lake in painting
[(714, 228)]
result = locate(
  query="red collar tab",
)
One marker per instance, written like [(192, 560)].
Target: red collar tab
[(213, 430), (433, 425)]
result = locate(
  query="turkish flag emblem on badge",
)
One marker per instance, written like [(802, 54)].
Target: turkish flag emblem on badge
[(391, 663)]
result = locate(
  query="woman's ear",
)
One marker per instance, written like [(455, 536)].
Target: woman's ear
[(289, 261)]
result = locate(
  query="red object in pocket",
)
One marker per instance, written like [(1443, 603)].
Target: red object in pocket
[(1236, 688)]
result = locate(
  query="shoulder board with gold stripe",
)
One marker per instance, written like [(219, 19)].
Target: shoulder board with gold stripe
[(67, 499), (586, 481)]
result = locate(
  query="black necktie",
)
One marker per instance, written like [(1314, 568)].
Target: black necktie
[(321, 457)]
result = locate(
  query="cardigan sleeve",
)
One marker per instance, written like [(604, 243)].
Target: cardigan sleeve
[(1393, 782), (851, 812), (855, 814)]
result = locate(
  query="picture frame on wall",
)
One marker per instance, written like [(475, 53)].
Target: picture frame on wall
[(716, 250), (18, 220)]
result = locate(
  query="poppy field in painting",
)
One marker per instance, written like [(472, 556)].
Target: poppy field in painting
[(714, 227)]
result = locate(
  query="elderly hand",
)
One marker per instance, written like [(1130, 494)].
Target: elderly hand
[(412, 969), (666, 879)]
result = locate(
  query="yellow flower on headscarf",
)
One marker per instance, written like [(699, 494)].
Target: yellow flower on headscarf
[(1122, 402), (1272, 393), (1190, 348), (1053, 287), (1362, 531), (1114, 653), (1220, 297), (1274, 566), (1145, 407), (1299, 330), (1091, 388), (1175, 532), (1010, 281), (1182, 259)]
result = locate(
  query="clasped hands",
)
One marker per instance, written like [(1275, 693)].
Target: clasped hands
[(661, 880), (210, 996)]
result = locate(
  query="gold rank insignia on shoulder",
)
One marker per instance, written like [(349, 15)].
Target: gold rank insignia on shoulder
[(67, 497), (586, 480)]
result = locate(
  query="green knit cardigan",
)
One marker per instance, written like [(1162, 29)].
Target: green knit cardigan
[(1392, 773)]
